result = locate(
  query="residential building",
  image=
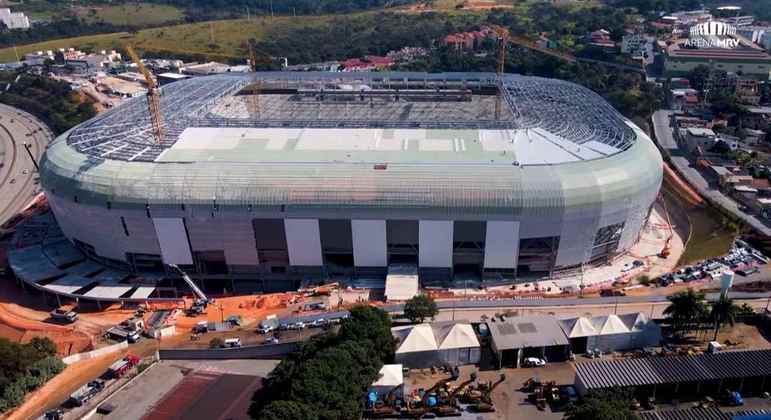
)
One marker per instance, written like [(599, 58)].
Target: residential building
[(13, 20)]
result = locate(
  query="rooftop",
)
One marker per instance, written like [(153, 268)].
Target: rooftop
[(403, 117), (527, 331), (602, 374)]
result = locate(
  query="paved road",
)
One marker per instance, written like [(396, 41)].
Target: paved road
[(17, 173), (665, 138)]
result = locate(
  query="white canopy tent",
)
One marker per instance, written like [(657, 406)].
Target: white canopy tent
[(435, 344), (611, 332), (389, 377)]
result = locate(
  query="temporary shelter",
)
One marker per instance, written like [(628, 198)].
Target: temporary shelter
[(611, 332), (390, 377), (439, 343)]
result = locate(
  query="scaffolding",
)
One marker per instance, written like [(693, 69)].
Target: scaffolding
[(355, 100)]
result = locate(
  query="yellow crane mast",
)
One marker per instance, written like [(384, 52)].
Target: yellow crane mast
[(253, 100), (503, 38), (153, 96)]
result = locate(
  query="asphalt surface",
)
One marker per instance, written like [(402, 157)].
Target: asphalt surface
[(679, 158), (17, 173)]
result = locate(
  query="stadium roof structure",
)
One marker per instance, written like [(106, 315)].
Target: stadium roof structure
[(362, 141), (576, 121)]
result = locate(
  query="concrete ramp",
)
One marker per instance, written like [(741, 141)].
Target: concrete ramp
[(401, 282)]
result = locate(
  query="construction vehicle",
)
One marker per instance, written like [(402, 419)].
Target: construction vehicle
[(119, 368), (122, 334), (201, 302), (666, 250), (449, 406), (63, 315), (485, 405), (83, 394), (418, 407), (153, 96)]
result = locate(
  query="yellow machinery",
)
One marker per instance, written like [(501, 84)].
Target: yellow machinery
[(153, 96)]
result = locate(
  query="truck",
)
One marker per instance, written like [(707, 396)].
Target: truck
[(268, 325), (85, 393), (119, 368), (64, 315), (120, 334)]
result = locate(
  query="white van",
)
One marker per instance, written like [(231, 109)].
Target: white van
[(232, 342)]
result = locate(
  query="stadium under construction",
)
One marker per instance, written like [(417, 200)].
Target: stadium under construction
[(270, 179)]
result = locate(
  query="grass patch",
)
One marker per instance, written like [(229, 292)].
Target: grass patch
[(134, 14), (218, 40)]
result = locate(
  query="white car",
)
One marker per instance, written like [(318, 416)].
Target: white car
[(534, 362)]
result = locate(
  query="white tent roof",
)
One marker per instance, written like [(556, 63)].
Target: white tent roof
[(390, 375), (636, 322), (579, 327), (460, 336), (610, 324), (419, 338)]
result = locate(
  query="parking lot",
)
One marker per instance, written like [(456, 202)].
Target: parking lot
[(741, 259), (153, 390)]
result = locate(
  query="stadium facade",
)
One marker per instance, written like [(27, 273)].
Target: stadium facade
[(330, 174)]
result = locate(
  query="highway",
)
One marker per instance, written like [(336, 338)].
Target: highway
[(18, 177)]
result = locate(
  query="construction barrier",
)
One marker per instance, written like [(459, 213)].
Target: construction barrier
[(78, 357), (270, 351)]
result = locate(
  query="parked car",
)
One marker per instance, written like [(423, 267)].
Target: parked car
[(232, 342), (747, 272), (533, 362), (270, 340), (611, 292)]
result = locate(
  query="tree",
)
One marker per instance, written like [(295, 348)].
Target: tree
[(699, 76), (685, 309), (321, 380), (724, 311), (608, 405), (216, 343), (280, 410), (420, 307)]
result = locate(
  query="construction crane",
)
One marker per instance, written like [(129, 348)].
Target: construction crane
[(202, 301), (503, 39), (153, 96), (253, 100), (668, 244)]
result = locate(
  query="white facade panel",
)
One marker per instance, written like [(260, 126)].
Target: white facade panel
[(501, 244), (369, 243), (435, 243), (175, 248), (303, 241)]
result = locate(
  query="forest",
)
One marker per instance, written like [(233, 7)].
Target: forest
[(25, 367)]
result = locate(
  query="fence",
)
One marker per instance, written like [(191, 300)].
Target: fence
[(94, 353), (271, 351)]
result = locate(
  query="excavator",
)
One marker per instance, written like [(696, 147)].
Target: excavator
[(485, 404), (417, 409), (449, 407)]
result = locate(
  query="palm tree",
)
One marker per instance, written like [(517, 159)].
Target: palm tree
[(685, 309), (723, 311)]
